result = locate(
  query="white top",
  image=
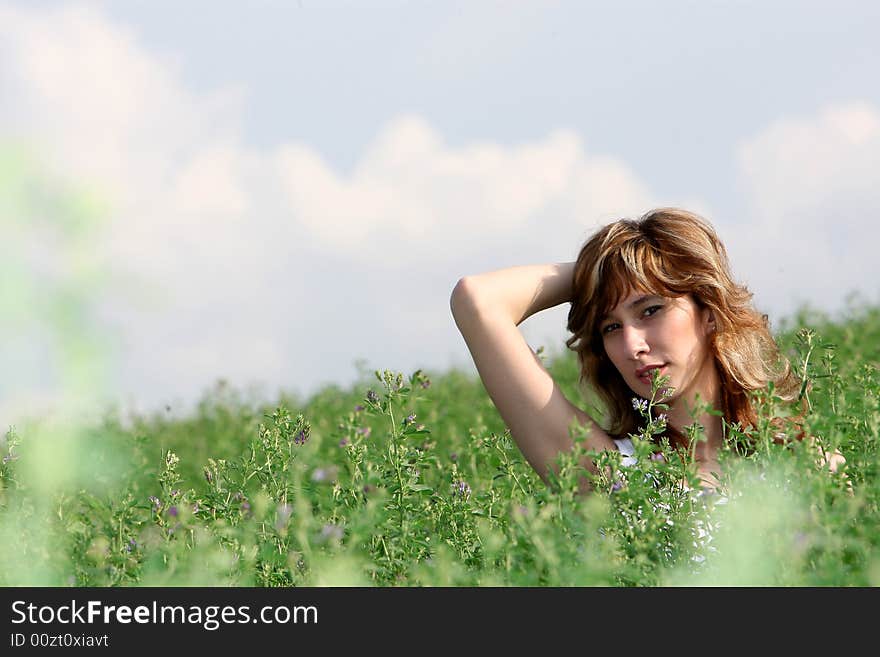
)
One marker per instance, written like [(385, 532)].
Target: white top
[(703, 533), (625, 447)]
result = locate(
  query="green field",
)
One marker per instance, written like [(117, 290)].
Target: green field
[(413, 481)]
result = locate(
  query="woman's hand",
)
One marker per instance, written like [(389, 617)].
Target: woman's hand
[(833, 461)]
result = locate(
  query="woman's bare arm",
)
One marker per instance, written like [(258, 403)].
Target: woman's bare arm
[(487, 309)]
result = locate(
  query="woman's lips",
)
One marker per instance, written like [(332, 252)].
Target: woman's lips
[(646, 377)]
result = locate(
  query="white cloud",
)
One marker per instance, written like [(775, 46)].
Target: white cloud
[(184, 233), (89, 94), (800, 164), (212, 183), (411, 193), (270, 265), (813, 189)]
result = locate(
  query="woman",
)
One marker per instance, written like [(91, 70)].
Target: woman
[(654, 293)]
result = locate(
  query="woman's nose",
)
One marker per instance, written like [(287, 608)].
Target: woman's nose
[(634, 341)]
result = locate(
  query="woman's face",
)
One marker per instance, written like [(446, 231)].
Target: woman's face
[(645, 331)]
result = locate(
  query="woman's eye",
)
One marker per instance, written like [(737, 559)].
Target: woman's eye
[(647, 312)]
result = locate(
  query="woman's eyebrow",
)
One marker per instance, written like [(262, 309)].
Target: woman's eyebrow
[(641, 299)]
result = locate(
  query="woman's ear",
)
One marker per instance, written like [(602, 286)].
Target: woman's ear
[(709, 319)]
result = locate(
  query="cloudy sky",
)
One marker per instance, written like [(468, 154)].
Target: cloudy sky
[(270, 192)]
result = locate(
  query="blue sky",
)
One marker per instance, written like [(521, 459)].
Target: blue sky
[(290, 187)]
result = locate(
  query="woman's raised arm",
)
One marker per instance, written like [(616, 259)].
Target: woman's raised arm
[(487, 309)]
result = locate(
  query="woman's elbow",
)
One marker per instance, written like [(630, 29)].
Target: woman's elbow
[(462, 303)]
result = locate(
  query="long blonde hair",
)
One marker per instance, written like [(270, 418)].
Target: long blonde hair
[(672, 252)]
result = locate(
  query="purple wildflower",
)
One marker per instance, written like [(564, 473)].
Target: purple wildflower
[(616, 486), (172, 511), (302, 436), (372, 397), (364, 431), (132, 544), (208, 476), (426, 383), (196, 507), (461, 488), (332, 532), (658, 457), (175, 492), (343, 442), (409, 419), (358, 408), (453, 457), (155, 502), (246, 507), (324, 474)]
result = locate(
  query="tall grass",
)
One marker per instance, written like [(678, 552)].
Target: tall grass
[(414, 481)]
